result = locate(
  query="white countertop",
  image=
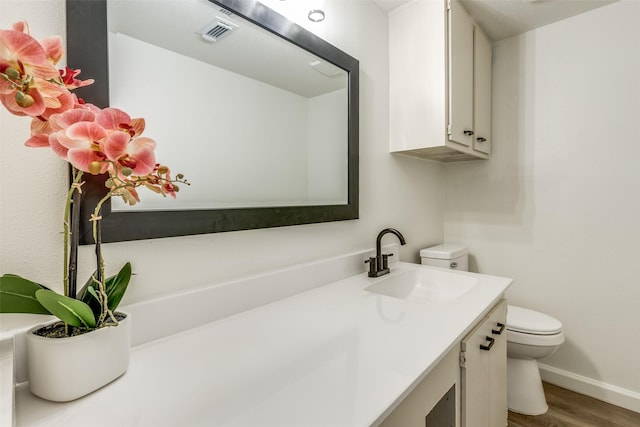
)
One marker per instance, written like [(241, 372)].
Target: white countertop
[(333, 356)]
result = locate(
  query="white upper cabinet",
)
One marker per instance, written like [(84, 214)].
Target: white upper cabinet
[(460, 76), (440, 82)]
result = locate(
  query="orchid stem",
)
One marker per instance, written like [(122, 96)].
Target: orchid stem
[(97, 238), (71, 259)]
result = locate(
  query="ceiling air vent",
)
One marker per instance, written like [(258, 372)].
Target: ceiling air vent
[(217, 29)]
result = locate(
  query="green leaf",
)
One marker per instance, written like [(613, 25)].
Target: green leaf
[(83, 294), (69, 310), (88, 295), (93, 293), (117, 286), (18, 295)]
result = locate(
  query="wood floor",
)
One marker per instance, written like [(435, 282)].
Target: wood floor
[(569, 409)]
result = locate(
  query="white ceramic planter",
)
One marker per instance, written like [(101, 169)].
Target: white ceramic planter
[(64, 369)]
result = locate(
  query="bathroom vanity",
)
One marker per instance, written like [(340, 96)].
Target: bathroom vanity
[(315, 345)]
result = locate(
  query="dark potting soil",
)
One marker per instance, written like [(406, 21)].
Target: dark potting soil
[(60, 330)]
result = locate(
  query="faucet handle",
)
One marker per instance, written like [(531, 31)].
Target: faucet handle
[(372, 266)]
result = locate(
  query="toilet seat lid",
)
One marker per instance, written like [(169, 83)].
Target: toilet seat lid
[(532, 322)]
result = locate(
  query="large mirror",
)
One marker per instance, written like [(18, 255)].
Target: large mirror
[(259, 114)]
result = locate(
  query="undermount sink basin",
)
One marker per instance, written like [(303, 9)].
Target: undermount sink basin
[(424, 285)]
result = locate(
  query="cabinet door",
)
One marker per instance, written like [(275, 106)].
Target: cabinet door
[(498, 411), (460, 75), (482, 92), (484, 372), (475, 377)]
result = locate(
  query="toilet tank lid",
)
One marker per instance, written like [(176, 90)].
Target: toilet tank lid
[(530, 321), (444, 251)]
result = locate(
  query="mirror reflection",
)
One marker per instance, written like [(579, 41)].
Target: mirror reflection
[(252, 120)]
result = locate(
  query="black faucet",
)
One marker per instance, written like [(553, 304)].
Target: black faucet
[(379, 265)]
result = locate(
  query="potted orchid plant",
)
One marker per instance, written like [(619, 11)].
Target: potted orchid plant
[(93, 141)]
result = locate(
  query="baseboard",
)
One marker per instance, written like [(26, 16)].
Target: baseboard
[(602, 391)]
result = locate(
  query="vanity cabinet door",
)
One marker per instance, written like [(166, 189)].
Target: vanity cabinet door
[(498, 411), (475, 377), (483, 361)]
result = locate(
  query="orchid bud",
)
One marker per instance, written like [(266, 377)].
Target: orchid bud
[(95, 168), (12, 73), (176, 188), (162, 170), (180, 176), (24, 100), (126, 171), (109, 183)]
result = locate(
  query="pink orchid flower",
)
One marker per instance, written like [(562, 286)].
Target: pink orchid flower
[(159, 181), (128, 193), (58, 123), (31, 85), (40, 131), (69, 79), (134, 153), (53, 49), (55, 100), (168, 187), (22, 52), (27, 89), (78, 138), (116, 119), (52, 45), (124, 145), (41, 128)]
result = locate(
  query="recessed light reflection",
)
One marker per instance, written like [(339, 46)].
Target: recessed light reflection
[(316, 15)]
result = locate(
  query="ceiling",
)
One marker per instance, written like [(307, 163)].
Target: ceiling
[(505, 18), (248, 50)]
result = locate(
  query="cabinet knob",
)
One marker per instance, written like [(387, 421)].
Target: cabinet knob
[(491, 341), (498, 331), (453, 265), (468, 132), (481, 139)]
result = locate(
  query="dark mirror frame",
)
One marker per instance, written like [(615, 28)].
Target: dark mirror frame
[(87, 49)]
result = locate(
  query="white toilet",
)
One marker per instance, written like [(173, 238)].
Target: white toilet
[(531, 335)]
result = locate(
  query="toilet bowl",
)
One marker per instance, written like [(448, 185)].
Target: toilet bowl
[(531, 335)]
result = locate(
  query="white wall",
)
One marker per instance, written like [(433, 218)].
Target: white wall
[(394, 191), (557, 206)]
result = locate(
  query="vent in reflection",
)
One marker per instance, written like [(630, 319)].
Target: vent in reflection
[(217, 30)]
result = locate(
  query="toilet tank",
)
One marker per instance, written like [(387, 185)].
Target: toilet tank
[(453, 256)]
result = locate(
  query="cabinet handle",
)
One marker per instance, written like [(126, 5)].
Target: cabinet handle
[(488, 347), (468, 132), (498, 331), (481, 139)]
